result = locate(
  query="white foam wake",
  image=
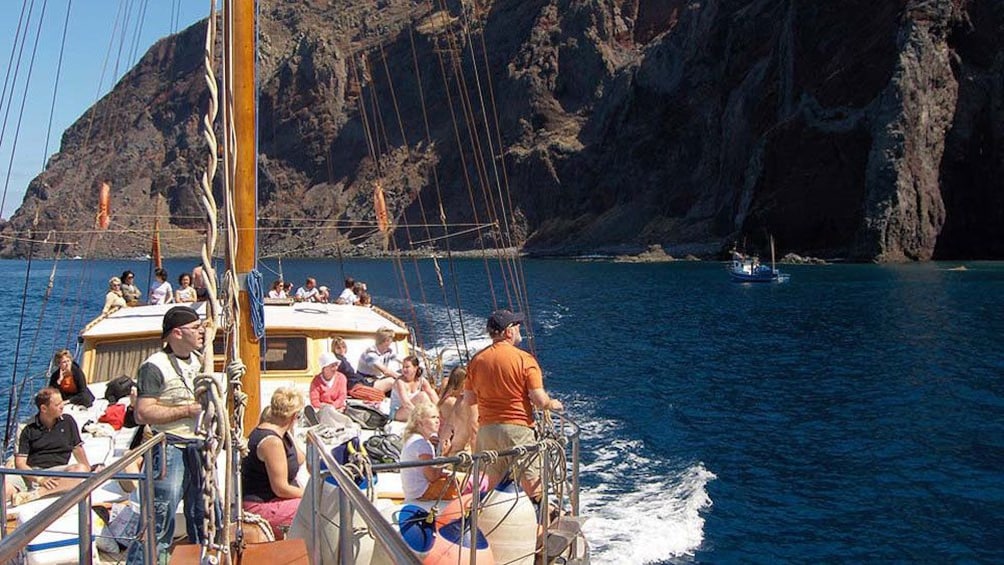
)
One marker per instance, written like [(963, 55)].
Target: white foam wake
[(640, 512)]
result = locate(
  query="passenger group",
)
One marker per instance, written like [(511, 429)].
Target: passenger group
[(486, 406)]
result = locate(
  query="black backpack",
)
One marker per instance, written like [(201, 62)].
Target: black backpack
[(384, 448), (369, 418), (119, 387)]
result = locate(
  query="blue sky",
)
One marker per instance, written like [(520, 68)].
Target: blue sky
[(96, 30)]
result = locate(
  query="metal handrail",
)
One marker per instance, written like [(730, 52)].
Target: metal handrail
[(382, 531), (385, 534), (78, 495)]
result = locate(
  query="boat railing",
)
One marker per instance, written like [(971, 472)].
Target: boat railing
[(352, 500), (385, 534), (80, 496)]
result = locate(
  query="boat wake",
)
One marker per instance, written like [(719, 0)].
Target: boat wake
[(639, 509), (638, 513)]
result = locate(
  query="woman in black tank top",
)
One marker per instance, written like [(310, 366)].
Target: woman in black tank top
[(268, 475)]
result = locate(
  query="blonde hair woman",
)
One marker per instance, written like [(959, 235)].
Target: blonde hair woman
[(113, 298), (432, 482), (268, 476), (69, 380)]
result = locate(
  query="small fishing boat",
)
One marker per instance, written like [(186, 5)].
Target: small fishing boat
[(748, 268)]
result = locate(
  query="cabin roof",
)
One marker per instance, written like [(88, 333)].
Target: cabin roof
[(300, 317)]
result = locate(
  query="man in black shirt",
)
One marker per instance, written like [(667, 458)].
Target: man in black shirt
[(47, 443)]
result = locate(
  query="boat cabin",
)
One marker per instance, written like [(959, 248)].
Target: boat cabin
[(296, 333)]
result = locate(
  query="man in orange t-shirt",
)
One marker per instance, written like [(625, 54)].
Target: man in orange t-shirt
[(503, 385)]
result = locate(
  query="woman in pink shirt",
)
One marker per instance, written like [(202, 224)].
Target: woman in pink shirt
[(329, 386)]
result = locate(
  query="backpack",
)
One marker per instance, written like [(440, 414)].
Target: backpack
[(119, 387), (368, 418), (384, 448)]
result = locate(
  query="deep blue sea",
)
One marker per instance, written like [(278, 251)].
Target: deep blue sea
[(855, 414)]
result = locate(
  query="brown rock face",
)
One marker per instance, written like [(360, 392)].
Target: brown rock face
[(872, 131)]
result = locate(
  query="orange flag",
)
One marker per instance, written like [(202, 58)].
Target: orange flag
[(104, 198), (380, 206)]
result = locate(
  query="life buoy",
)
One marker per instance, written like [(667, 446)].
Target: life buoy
[(439, 542), (509, 521)]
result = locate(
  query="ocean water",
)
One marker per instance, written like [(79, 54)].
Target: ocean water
[(855, 414)]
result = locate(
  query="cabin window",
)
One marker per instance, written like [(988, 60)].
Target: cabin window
[(115, 358), (285, 353)]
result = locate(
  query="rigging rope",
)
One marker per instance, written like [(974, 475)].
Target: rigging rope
[(11, 416), (213, 423)]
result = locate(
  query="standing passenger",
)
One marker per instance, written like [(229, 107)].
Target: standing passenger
[(130, 291), (503, 383), (454, 415), (161, 291), (166, 401)]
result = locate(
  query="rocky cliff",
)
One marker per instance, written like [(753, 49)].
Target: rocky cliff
[(871, 131)]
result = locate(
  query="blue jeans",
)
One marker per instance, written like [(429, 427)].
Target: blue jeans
[(182, 481)]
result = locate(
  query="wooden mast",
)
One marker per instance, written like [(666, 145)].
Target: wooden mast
[(246, 193)]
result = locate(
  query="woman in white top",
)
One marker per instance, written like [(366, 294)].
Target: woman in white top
[(186, 292), (161, 291), (432, 482), (278, 290), (410, 390)]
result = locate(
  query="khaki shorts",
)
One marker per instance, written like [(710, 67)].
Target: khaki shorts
[(17, 481), (499, 437)]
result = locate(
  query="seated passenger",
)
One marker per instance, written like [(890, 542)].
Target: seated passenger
[(113, 298), (347, 296), (130, 291), (47, 443), (278, 290), (376, 364), (186, 292), (307, 292), (268, 476), (411, 390), (432, 482), (329, 386), (13, 485), (70, 380), (454, 415), (365, 300), (322, 295)]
